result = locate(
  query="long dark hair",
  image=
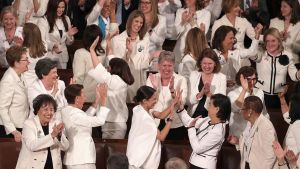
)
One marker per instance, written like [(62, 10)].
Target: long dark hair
[(295, 13), (90, 33), (220, 36), (51, 14), (120, 67), (144, 92)]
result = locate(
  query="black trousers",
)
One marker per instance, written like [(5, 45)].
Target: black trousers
[(194, 167), (3, 133), (179, 133)]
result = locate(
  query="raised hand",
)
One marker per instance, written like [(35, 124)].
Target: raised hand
[(193, 122), (278, 151), (283, 91), (57, 130), (94, 44), (72, 31), (103, 93), (202, 27), (292, 158), (244, 82), (154, 80), (258, 29)]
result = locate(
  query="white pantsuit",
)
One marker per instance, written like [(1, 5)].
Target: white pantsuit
[(14, 107), (78, 126), (35, 145)]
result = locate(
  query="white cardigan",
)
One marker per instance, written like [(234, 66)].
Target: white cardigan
[(201, 16), (116, 94), (14, 108), (35, 145), (292, 43), (218, 85), (78, 126), (242, 25), (158, 34)]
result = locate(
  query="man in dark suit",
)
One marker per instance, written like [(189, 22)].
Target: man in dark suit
[(124, 8)]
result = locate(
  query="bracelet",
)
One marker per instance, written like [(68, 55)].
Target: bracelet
[(179, 111), (169, 119)]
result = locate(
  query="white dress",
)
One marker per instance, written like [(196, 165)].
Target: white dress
[(143, 149)]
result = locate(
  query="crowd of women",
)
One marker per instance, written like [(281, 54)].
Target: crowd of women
[(228, 68)]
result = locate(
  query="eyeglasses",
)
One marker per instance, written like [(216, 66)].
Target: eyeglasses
[(251, 79)]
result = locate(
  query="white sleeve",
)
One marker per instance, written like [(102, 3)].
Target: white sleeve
[(93, 16), (42, 9), (91, 121)]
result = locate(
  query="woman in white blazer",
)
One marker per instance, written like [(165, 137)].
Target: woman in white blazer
[(144, 140), (207, 134), (43, 137), (194, 15), (230, 58), (195, 44), (57, 32), (205, 82), (246, 78), (156, 24), (273, 64), (133, 46), (36, 50), (118, 77), (14, 108), (288, 24), (231, 18), (30, 10), (82, 62), (78, 124), (47, 83), (169, 9), (255, 144), (167, 83), (10, 33)]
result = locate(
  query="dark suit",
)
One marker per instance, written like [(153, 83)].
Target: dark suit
[(126, 12)]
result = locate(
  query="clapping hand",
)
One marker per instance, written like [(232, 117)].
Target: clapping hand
[(102, 93), (206, 89), (72, 31), (193, 122), (94, 44), (244, 83), (57, 130), (258, 29), (283, 91), (232, 139), (154, 80)]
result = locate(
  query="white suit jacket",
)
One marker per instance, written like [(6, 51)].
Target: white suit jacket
[(165, 97), (35, 145), (116, 94), (4, 45), (292, 43), (14, 107), (242, 25), (260, 150), (78, 126), (218, 85), (50, 39), (158, 34), (143, 148), (206, 141), (201, 16), (38, 88)]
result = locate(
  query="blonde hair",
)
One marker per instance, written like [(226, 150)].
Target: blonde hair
[(154, 12), (8, 9), (195, 43), (227, 5), (275, 33)]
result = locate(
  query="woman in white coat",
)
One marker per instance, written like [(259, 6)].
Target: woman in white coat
[(231, 58), (47, 83), (205, 82), (10, 33), (231, 18), (118, 77), (255, 144), (57, 32), (133, 46), (43, 137), (288, 24), (207, 135), (156, 24), (194, 15), (144, 147), (78, 124), (14, 108)]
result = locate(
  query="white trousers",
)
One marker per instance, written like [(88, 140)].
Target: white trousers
[(81, 166)]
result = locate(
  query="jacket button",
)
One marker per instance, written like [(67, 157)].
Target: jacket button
[(35, 159)]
